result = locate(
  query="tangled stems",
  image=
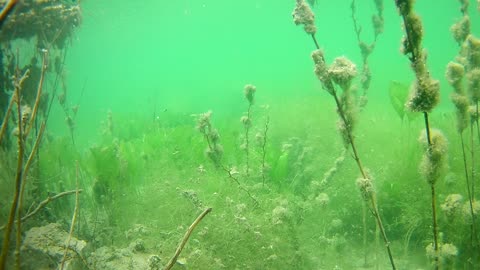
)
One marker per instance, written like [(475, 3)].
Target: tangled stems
[(215, 150)]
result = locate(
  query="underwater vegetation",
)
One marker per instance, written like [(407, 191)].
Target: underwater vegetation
[(336, 179)]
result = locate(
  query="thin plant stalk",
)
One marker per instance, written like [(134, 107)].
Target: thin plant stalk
[(6, 118), (418, 103), (39, 94), (182, 244), (7, 8), (371, 200), (264, 148), (18, 184), (469, 192), (364, 223), (247, 141), (206, 129), (476, 121), (22, 190), (472, 156), (436, 247), (44, 203), (249, 91), (74, 219)]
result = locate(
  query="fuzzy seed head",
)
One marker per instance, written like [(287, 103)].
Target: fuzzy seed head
[(366, 187), (473, 52), (249, 91), (461, 103), (424, 95), (245, 121), (434, 161), (453, 204), (473, 84), (461, 29), (303, 14), (203, 122), (321, 70), (342, 72), (454, 73)]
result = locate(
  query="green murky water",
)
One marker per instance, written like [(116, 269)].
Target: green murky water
[(143, 73)]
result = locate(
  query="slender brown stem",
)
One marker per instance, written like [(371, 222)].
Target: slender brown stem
[(247, 131), (3, 129), (476, 121), (264, 148), (173, 260), (18, 184), (315, 41), (364, 223), (432, 187), (435, 228), (39, 94), (22, 189), (350, 136), (374, 208), (7, 9), (371, 198), (427, 129), (376, 214), (230, 174), (10, 105), (43, 203), (472, 156), (469, 192), (74, 218)]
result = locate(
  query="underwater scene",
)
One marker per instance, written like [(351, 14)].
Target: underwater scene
[(254, 134)]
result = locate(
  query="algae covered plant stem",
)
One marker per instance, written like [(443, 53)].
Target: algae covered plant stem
[(18, 176), (341, 73), (424, 96)]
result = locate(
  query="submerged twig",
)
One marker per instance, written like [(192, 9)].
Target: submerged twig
[(6, 10), (240, 186), (43, 203), (173, 260)]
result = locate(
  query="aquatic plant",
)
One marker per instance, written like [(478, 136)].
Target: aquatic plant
[(48, 25), (365, 48), (249, 92), (215, 150), (25, 118), (456, 75), (424, 96), (341, 72), (263, 138), (398, 93)]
